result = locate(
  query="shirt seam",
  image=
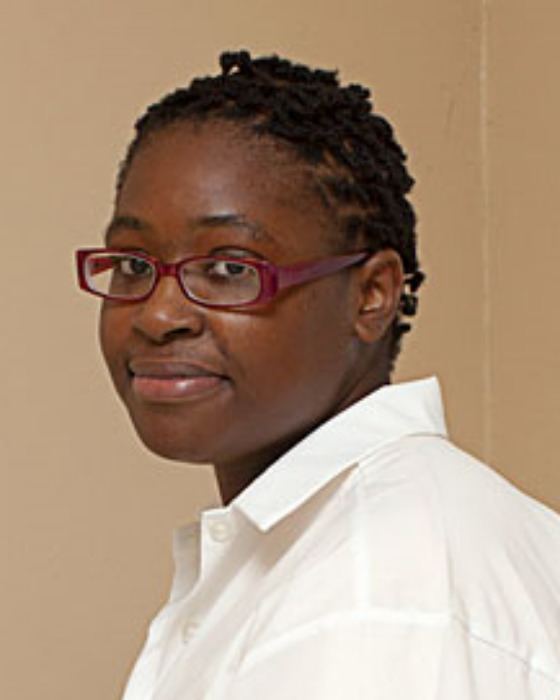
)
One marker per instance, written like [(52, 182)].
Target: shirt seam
[(555, 678), (434, 619)]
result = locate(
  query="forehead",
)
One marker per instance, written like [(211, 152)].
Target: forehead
[(209, 172), (188, 172)]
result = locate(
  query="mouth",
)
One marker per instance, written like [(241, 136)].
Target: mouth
[(169, 381)]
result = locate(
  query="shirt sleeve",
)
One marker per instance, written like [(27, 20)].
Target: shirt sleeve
[(354, 658)]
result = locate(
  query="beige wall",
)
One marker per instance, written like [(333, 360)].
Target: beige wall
[(85, 512), (523, 243)]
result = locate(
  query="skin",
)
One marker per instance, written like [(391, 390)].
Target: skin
[(279, 370)]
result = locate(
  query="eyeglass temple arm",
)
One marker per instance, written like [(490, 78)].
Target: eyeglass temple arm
[(305, 272)]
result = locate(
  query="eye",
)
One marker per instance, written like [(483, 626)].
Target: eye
[(132, 266), (227, 269)]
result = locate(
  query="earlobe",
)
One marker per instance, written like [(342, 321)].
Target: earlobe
[(381, 286)]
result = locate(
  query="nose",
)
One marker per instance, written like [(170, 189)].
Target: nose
[(167, 313)]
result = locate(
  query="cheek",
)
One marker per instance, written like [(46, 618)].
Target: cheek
[(112, 337), (298, 350)]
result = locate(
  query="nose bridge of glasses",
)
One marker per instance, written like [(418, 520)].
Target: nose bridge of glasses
[(169, 269), (166, 269)]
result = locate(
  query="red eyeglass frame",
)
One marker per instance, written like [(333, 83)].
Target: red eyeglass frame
[(273, 278)]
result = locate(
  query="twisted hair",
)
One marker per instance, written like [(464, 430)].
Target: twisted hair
[(360, 168)]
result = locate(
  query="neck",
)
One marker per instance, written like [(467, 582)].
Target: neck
[(233, 476)]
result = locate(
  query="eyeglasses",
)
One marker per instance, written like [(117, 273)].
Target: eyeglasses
[(211, 281)]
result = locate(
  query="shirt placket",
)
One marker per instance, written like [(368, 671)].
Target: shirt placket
[(216, 537)]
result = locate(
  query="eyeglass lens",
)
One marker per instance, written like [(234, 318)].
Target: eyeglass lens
[(209, 280)]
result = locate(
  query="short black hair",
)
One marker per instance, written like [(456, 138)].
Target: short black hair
[(360, 166)]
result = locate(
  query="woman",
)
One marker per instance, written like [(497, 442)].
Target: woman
[(257, 270)]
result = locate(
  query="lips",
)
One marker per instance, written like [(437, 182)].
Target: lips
[(170, 380)]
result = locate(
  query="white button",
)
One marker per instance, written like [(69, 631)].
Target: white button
[(190, 628), (220, 531)]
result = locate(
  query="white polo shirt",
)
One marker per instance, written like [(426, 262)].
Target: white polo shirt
[(373, 560)]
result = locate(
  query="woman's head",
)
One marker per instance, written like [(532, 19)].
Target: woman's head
[(271, 162), (353, 161)]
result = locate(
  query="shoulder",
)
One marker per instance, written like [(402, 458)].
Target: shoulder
[(476, 511), (460, 537), (418, 540)]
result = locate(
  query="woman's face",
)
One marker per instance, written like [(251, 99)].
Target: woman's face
[(223, 386)]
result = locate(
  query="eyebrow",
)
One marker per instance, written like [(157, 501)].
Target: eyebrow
[(125, 222), (256, 230)]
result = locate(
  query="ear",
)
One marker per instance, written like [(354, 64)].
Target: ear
[(381, 286)]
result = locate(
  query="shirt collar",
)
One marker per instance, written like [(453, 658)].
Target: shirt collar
[(392, 412)]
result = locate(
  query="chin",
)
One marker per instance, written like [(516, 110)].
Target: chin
[(179, 443), (176, 452)]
